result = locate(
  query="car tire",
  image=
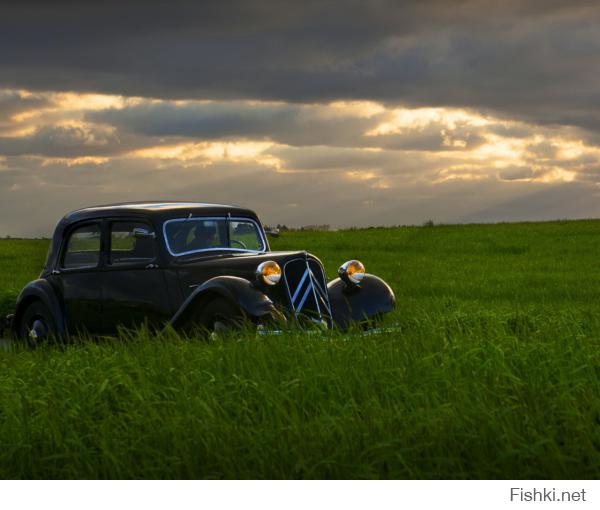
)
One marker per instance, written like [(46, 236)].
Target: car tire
[(220, 316), (37, 325)]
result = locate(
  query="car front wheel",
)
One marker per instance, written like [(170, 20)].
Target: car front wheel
[(37, 324), (220, 316)]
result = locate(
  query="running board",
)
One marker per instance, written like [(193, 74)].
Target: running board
[(6, 325), (313, 332)]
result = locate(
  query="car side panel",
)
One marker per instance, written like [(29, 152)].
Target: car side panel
[(81, 292), (176, 297), (134, 296)]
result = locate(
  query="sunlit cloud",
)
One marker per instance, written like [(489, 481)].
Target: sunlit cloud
[(74, 101), (500, 151), (207, 151), (462, 172), (67, 104), (481, 146), (357, 108), (418, 118), (557, 175), (317, 156), (361, 175), (70, 162)]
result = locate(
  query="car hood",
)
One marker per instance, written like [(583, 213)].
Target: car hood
[(235, 259), (195, 270)]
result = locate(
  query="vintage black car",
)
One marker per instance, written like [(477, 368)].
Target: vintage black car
[(187, 265)]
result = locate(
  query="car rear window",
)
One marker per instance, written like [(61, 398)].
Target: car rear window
[(83, 248)]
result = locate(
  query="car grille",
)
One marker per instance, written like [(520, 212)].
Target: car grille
[(307, 290)]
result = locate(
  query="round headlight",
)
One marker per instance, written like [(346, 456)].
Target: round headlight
[(352, 271), (269, 272)]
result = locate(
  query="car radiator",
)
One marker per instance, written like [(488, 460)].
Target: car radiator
[(307, 291)]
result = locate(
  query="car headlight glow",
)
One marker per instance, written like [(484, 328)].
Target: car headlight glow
[(269, 272), (352, 271)]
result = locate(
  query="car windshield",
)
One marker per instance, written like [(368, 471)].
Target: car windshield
[(190, 235)]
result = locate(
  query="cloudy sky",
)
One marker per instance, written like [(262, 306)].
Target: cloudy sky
[(349, 113)]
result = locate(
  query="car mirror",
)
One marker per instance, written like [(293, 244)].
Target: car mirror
[(143, 233), (272, 232)]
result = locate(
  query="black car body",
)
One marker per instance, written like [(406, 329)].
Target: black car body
[(182, 264)]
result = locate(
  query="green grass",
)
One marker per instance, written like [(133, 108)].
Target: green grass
[(493, 373)]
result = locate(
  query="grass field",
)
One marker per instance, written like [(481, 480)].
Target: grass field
[(494, 372)]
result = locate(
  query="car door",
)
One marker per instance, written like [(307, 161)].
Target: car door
[(133, 284), (79, 277)]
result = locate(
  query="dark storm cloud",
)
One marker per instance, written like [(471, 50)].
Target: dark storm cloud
[(65, 142), (534, 60), (290, 124), (515, 173), (434, 136), (518, 83), (326, 159)]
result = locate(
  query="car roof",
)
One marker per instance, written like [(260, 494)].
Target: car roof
[(160, 209)]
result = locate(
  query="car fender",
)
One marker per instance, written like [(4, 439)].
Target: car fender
[(40, 290), (359, 303), (240, 291)]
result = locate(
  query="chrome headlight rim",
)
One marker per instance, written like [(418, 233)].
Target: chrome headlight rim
[(268, 272), (352, 272)]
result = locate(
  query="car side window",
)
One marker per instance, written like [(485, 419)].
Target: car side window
[(131, 243), (83, 248)]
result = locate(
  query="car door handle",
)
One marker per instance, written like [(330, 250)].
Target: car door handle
[(152, 266), (55, 271)]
